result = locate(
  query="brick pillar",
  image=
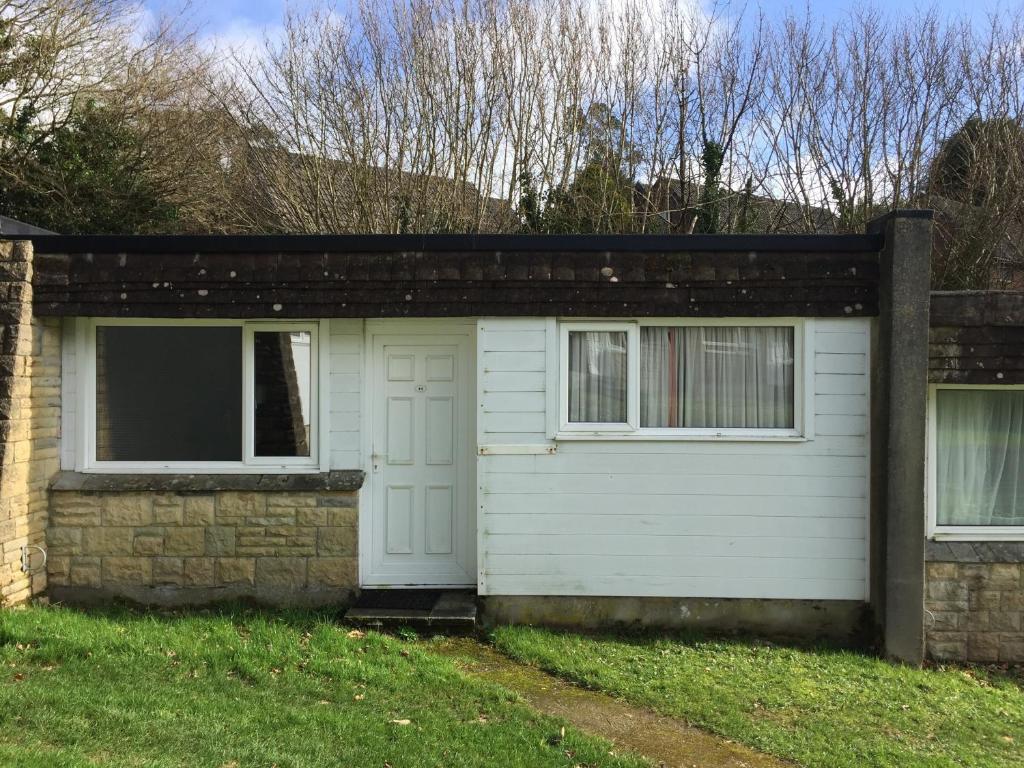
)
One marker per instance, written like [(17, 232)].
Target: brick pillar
[(29, 423)]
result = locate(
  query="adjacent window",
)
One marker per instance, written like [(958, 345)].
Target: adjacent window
[(282, 400), (203, 395), (597, 377), (726, 377), (697, 379), (979, 457)]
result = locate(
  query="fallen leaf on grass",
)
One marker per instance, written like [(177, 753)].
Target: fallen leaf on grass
[(403, 721), (356, 634)]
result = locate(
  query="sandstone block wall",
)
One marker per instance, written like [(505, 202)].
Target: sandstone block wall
[(182, 547), (974, 611), (29, 424)]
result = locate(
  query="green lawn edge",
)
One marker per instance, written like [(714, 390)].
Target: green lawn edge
[(820, 707), (234, 688)]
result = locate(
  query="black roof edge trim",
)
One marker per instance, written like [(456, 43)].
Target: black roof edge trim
[(195, 244)]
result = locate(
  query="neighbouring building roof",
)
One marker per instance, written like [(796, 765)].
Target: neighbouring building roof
[(9, 227), (436, 276)]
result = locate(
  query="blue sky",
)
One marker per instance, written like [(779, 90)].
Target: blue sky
[(231, 17)]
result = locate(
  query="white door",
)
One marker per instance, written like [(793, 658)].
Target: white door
[(423, 517)]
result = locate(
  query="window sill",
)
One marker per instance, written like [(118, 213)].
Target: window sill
[(212, 468), (669, 437), (1002, 533), (337, 480)]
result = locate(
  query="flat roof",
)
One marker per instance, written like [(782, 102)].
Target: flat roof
[(211, 244)]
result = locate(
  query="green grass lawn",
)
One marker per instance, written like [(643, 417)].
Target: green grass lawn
[(242, 689), (821, 708)]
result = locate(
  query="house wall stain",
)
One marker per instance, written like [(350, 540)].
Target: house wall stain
[(841, 621)]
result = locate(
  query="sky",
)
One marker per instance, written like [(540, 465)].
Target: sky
[(244, 20)]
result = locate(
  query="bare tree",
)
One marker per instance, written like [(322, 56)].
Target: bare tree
[(482, 115)]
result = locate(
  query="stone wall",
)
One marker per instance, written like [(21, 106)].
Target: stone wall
[(178, 547), (974, 605), (29, 425), (974, 609)]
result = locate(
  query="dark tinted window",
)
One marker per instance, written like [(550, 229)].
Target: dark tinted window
[(168, 393)]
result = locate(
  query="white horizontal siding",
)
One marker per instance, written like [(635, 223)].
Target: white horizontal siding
[(700, 519), (512, 381), (614, 579), (346, 393)]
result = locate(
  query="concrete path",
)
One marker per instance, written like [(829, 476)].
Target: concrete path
[(666, 741)]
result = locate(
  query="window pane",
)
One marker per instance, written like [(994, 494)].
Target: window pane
[(597, 377), (716, 377), (168, 393), (282, 371), (980, 457)]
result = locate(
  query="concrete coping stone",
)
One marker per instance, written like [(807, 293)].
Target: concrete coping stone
[(337, 480), (974, 551)]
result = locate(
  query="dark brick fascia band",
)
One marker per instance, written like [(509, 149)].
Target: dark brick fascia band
[(639, 276), (338, 480), (976, 337)]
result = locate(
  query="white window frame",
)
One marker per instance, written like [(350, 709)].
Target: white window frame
[(803, 372), (958, 532), (250, 464), (632, 380)]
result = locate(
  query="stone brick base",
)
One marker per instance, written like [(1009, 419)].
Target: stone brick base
[(184, 547), (975, 611)]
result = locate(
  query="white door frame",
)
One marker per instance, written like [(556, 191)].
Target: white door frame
[(404, 330)]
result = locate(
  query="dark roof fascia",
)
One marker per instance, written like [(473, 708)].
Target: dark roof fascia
[(193, 244)]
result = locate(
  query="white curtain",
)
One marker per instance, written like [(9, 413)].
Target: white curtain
[(597, 377), (661, 376), (980, 457), (716, 377)]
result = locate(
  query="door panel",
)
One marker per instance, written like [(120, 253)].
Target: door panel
[(423, 530), (440, 502), (399, 513), (440, 427), (401, 439)]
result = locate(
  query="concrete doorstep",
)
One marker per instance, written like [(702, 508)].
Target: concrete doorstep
[(417, 609)]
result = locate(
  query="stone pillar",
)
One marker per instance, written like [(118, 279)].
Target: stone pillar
[(29, 424), (899, 394)]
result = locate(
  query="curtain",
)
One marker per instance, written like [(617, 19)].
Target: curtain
[(661, 376), (597, 377), (716, 377), (980, 453)]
